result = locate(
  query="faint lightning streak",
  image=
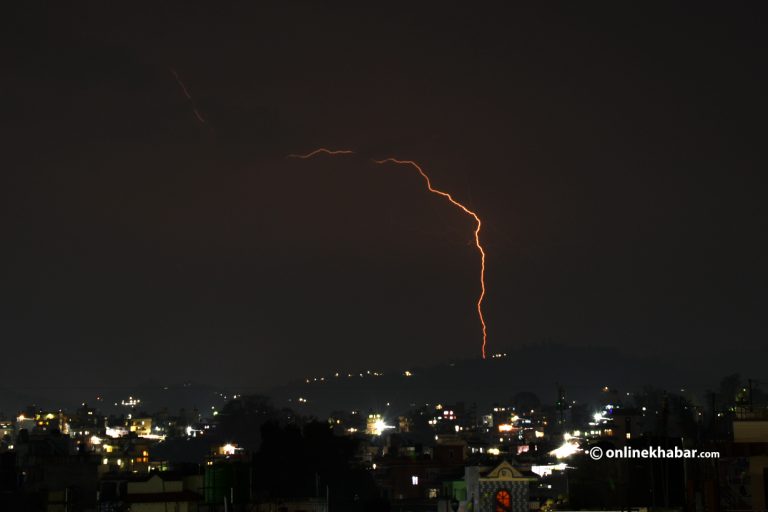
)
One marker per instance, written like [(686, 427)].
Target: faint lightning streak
[(324, 151), (185, 91), (477, 235)]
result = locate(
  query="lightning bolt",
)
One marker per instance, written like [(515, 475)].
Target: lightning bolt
[(331, 152), (186, 94), (479, 246), (433, 190)]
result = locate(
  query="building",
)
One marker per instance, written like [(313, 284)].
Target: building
[(126, 454), (157, 492), (163, 493), (292, 505), (744, 464), (140, 426), (6, 430), (49, 466), (500, 488), (47, 420), (413, 476)]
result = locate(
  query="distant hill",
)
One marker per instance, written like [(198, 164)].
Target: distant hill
[(534, 368), (108, 398)]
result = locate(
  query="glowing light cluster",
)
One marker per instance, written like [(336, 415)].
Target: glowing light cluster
[(115, 432), (548, 469), (376, 425), (379, 427), (569, 447), (228, 449), (131, 402)]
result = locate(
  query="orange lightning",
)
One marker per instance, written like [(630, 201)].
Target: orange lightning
[(440, 193), (477, 235), (324, 151)]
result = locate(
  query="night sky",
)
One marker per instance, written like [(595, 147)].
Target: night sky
[(614, 154)]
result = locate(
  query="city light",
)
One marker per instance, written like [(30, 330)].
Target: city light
[(547, 470), (380, 427), (155, 437), (115, 432), (569, 447)]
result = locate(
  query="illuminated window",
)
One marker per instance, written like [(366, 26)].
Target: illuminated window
[(503, 501)]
